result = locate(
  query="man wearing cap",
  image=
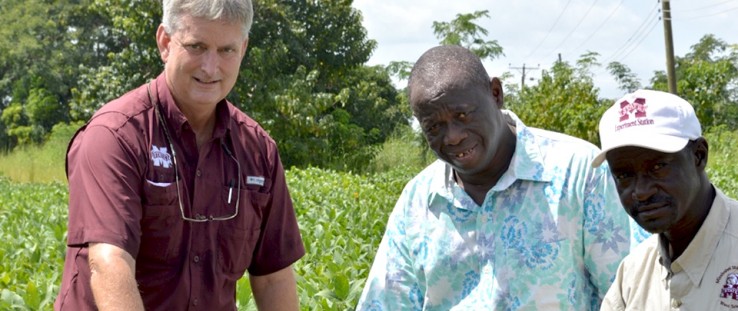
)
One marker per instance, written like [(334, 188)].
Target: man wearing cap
[(654, 146)]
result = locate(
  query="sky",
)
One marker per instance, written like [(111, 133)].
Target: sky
[(533, 33)]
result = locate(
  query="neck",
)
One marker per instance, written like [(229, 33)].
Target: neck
[(202, 122), (478, 185), (680, 235)]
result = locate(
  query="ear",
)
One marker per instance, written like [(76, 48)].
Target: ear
[(700, 151), (496, 87), (162, 42)]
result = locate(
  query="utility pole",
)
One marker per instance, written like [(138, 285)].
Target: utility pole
[(669, 41), (523, 71)]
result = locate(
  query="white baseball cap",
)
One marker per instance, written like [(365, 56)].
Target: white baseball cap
[(650, 119)]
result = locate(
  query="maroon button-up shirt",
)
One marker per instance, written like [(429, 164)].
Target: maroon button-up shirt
[(123, 191)]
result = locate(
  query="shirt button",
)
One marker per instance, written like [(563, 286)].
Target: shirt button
[(196, 259), (199, 173), (194, 302), (675, 303)]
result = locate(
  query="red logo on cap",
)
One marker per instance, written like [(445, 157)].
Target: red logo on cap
[(637, 108)]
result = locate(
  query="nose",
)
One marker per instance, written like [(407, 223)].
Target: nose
[(643, 188), (454, 134), (209, 62)]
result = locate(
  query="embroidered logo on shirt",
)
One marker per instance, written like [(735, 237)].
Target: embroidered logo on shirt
[(729, 278), (160, 156), (255, 180)]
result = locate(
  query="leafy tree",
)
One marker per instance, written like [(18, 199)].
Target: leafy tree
[(304, 79), (627, 80), (707, 77), (564, 100), (125, 38), (464, 32), (400, 69), (16, 125), (42, 44)]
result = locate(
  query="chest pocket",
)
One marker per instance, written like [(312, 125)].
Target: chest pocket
[(237, 238), (161, 226)]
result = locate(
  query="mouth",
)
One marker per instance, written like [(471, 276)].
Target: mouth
[(202, 81), (652, 210), (465, 153)]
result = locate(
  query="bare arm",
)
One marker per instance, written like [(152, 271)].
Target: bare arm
[(113, 279), (275, 291)]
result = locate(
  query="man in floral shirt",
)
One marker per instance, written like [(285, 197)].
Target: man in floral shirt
[(509, 217)]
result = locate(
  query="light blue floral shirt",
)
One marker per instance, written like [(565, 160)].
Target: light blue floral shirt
[(548, 236)]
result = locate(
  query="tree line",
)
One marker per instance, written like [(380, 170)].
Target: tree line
[(304, 77)]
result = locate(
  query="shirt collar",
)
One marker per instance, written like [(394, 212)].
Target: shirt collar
[(176, 119), (527, 164), (693, 260)]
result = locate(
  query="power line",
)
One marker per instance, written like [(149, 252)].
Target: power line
[(577, 26), (708, 15), (599, 27), (550, 29), (638, 32), (703, 7), (640, 41)]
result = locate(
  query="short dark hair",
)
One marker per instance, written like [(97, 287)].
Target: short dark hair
[(444, 66)]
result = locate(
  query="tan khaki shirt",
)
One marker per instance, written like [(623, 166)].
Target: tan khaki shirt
[(704, 277)]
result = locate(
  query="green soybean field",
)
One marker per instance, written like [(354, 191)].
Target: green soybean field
[(341, 218)]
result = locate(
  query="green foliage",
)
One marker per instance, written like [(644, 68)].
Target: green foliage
[(721, 166), (341, 216), (304, 80), (303, 77), (627, 79), (42, 44), (464, 32), (405, 148), (125, 34), (40, 163), (707, 77), (16, 123), (400, 69), (33, 229), (564, 100)]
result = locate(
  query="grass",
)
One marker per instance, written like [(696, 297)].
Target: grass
[(40, 163)]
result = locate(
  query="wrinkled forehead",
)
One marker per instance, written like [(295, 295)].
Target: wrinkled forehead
[(450, 97), (427, 89)]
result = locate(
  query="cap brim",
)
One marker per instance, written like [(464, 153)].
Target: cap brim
[(662, 143)]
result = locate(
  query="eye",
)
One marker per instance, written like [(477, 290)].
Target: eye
[(658, 166), (461, 115), (228, 50), (621, 177), (660, 170), (195, 48), (431, 129)]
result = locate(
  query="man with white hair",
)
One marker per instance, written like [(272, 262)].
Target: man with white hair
[(174, 193)]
